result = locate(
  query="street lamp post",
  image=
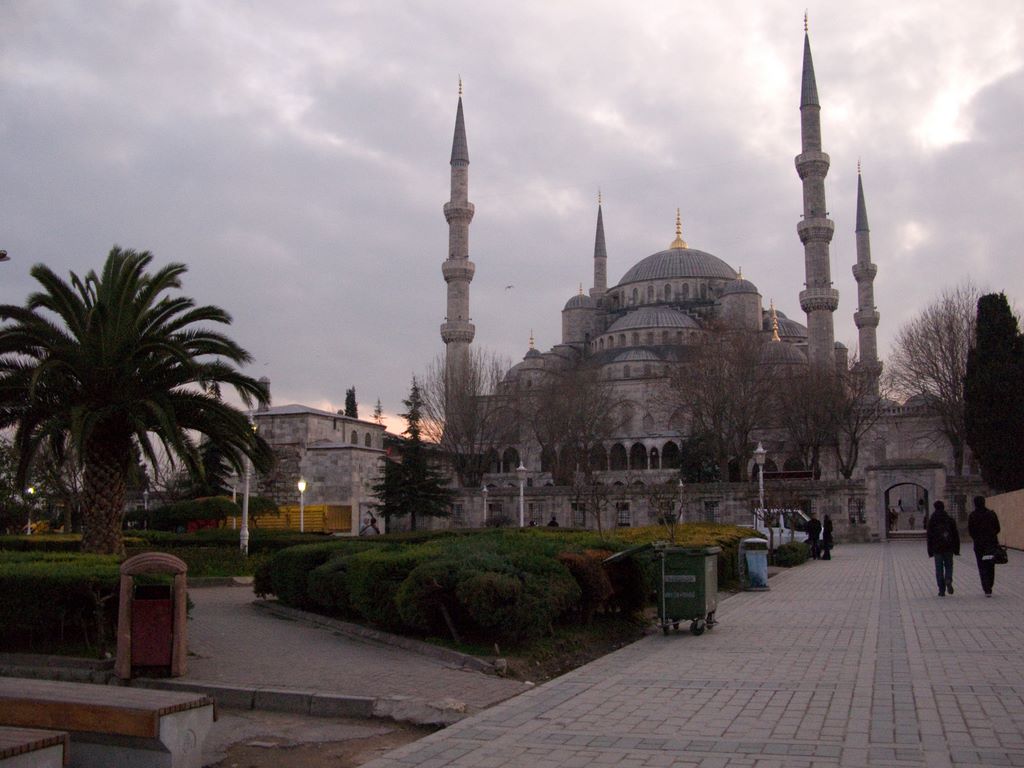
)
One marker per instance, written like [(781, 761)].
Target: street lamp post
[(483, 493), (31, 491), (521, 474), (243, 537), (759, 455), (302, 505), (680, 516)]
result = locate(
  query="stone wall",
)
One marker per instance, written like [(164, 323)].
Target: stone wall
[(1010, 508)]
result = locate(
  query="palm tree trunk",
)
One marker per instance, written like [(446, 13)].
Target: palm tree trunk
[(106, 471)]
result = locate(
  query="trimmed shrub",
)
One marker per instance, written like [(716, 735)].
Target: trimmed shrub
[(290, 568), (490, 598), (374, 578), (591, 577), (328, 587), (427, 596), (791, 553), (54, 601), (181, 513), (263, 578)]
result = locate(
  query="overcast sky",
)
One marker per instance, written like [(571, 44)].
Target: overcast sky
[(295, 156)]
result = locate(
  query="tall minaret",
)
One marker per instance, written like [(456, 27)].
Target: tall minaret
[(456, 331), (600, 257), (819, 299), (866, 316)]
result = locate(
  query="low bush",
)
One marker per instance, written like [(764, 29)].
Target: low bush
[(592, 577), (290, 568), (374, 578), (792, 553), (53, 601), (328, 587)]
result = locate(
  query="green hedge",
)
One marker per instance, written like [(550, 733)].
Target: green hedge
[(792, 553), (53, 601)]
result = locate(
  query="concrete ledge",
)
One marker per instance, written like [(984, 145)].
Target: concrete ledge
[(332, 705), (282, 700), (462, 660), (230, 696)]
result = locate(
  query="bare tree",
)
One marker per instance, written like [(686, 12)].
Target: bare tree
[(856, 408), (666, 499), (464, 413), (572, 413), (930, 359), (805, 401), (726, 392)]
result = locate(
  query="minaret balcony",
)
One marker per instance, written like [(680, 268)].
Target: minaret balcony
[(457, 330), (817, 230), (817, 299), (812, 164), (456, 211), (458, 270), (866, 318), (862, 272)]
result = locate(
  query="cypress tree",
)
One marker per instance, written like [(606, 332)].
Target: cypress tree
[(413, 486), (994, 394), (351, 409)]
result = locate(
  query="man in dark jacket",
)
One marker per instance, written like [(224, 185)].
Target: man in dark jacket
[(813, 530), (943, 543), (983, 525)]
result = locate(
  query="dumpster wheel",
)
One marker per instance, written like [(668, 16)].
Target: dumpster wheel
[(697, 626)]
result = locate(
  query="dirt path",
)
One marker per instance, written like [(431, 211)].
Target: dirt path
[(252, 739)]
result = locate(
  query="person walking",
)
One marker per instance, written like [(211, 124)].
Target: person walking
[(827, 541), (943, 543), (983, 525), (813, 529)]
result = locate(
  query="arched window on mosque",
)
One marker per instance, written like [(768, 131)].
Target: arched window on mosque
[(638, 456), (600, 344), (622, 339), (509, 460), (670, 456), (617, 458), (650, 337), (668, 292), (598, 458), (664, 337), (625, 371), (355, 437), (366, 440), (703, 290), (636, 338), (686, 291), (636, 296), (650, 293), (655, 464)]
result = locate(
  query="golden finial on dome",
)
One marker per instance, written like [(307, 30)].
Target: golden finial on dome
[(599, 196), (805, 21), (678, 242), (775, 321), (739, 275), (858, 166), (531, 338), (460, 86), (581, 289)]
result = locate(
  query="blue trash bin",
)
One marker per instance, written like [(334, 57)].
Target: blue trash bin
[(753, 554)]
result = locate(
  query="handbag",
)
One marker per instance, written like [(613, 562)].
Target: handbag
[(1000, 556)]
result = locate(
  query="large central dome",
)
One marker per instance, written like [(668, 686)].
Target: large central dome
[(678, 262)]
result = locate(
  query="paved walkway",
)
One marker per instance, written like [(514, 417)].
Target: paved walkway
[(236, 644), (853, 662)]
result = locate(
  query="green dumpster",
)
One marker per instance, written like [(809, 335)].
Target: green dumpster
[(687, 582)]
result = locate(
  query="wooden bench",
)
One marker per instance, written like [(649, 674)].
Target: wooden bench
[(111, 725), (24, 747)]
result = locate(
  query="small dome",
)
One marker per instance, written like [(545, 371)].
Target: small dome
[(739, 285), (781, 353), (678, 262), (580, 301), (788, 329), (653, 317), (636, 356), (532, 353), (840, 345)]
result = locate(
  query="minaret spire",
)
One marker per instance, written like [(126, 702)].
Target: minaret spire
[(600, 256), (866, 316), (457, 331), (819, 299)]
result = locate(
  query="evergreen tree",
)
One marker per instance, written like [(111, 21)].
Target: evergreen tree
[(994, 394), (351, 409), (413, 486), (378, 413)]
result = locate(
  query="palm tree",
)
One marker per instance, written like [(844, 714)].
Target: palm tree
[(110, 362)]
